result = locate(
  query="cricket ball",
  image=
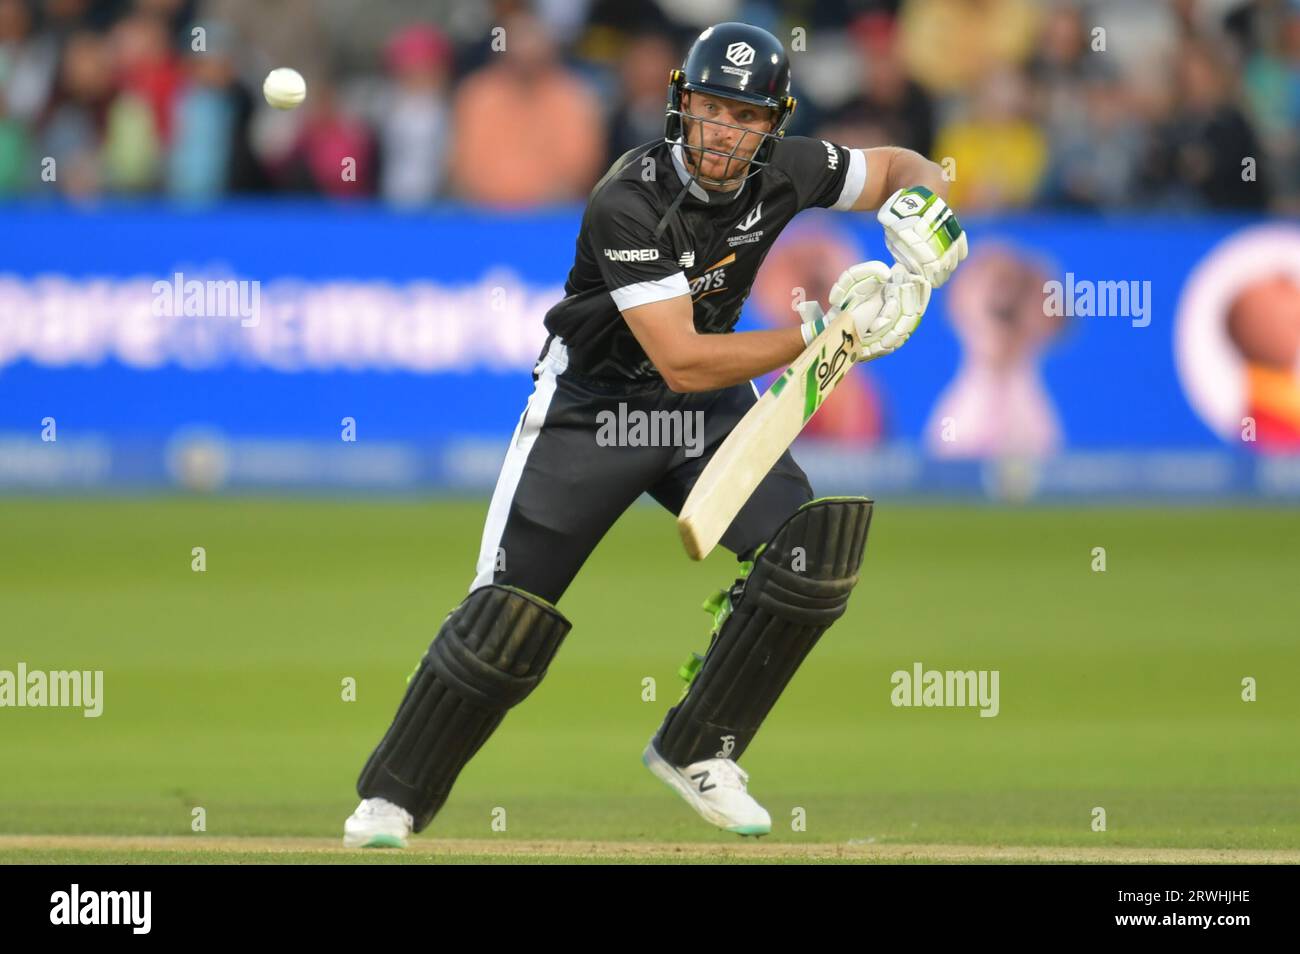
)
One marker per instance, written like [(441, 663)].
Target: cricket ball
[(284, 88)]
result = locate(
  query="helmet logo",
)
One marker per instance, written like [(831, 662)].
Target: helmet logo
[(740, 54)]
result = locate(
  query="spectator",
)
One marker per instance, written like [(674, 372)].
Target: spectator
[(174, 14), (481, 51), (1095, 160), (210, 153), (334, 153), (276, 33), (1061, 68), (15, 159), (639, 114), (527, 131), (999, 155), (1200, 155), (891, 109), (416, 125), (1079, 103), (1272, 89), (140, 115), (28, 64), (1139, 40), (73, 132), (147, 67), (622, 20), (951, 45)]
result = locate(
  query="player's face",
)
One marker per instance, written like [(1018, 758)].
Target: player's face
[(728, 126)]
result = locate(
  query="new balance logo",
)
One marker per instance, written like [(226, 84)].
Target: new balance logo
[(687, 260), (702, 778), (632, 254), (752, 219)]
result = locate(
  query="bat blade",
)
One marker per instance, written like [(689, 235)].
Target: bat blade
[(763, 435)]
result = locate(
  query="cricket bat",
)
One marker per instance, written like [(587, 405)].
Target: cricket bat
[(763, 434)]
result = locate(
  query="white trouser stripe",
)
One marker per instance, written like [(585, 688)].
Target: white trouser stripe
[(521, 443)]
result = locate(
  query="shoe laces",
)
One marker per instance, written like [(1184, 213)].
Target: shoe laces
[(729, 775), (382, 807)]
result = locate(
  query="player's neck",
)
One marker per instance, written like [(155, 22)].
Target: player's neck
[(698, 191)]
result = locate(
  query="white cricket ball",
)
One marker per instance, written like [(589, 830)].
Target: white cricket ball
[(284, 88)]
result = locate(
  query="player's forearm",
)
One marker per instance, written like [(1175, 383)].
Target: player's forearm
[(908, 168), (711, 362)]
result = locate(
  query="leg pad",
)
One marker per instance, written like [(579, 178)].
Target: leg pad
[(490, 653), (798, 587)]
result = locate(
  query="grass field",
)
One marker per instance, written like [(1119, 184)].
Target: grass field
[(223, 689)]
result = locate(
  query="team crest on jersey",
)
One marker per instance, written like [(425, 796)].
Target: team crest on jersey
[(746, 237), (752, 219)]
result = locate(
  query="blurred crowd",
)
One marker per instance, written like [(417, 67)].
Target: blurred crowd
[(1089, 104)]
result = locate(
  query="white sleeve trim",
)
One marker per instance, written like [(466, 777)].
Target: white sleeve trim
[(645, 293), (854, 180)]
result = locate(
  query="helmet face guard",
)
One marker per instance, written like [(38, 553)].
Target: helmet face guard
[(676, 128), (734, 61)]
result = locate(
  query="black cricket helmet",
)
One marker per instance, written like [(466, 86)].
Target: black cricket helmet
[(734, 61)]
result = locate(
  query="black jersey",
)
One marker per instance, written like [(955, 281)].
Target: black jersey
[(710, 249)]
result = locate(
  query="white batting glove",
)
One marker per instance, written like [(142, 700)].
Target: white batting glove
[(923, 234), (859, 287), (887, 304)]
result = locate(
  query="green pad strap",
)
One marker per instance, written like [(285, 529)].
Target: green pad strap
[(719, 606), (688, 669)]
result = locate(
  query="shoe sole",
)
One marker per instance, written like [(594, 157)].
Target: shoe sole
[(665, 772), (374, 841)]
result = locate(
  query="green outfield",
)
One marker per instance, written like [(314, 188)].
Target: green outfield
[(223, 689)]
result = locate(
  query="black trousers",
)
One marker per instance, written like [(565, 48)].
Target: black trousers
[(575, 463), (564, 483)]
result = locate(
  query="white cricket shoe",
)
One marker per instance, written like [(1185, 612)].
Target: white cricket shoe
[(716, 789), (377, 823)]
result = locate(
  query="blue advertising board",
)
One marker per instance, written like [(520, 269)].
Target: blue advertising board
[(301, 345)]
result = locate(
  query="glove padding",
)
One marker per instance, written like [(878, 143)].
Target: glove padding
[(923, 234), (887, 304)]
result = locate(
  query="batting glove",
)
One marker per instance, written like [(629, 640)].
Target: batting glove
[(923, 234), (859, 287), (887, 304)]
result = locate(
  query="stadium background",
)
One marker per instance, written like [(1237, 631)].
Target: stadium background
[(408, 227)]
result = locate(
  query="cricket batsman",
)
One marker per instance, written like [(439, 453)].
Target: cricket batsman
[(670, 243)]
